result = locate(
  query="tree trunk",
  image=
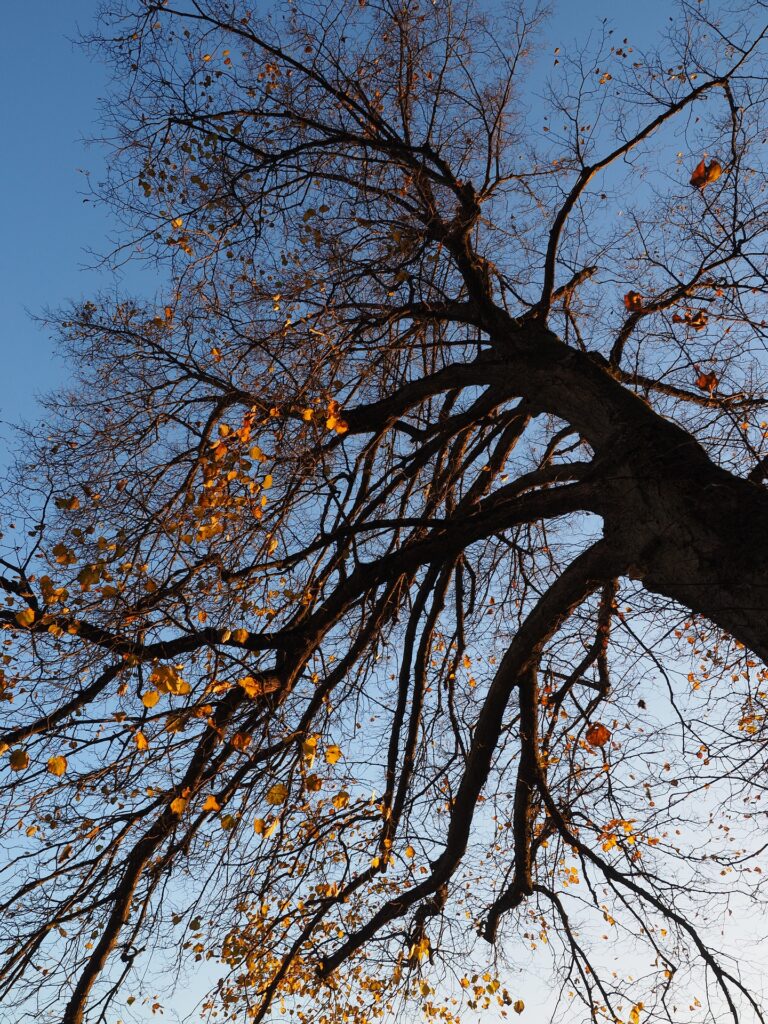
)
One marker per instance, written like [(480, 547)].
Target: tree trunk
[(687, 528)]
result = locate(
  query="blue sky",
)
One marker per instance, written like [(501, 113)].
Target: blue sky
[(51, 91)]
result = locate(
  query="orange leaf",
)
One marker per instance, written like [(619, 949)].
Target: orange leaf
[(698, 321), (57, 765), (333, 754), (25, 617), (633, 301), (707, 382), (253, 687), (19, 760), (241, 741), (598, 734), (704, 174)]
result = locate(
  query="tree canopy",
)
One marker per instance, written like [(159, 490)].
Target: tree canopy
[(385, 601)]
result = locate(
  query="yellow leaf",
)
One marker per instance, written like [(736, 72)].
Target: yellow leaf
[(341, 799), (57, 765), (228, 822), (179, 805), (419, 950), (314, 783), (267, 483), (333, 754), (177, 222), (150, 698), (309, 748), (518, 1006), (258, 826), (211, 804), (240, 636), (25, 617), (410, 852), (277, 794), (140, 740), (19, 760), (634, 1013), (253, 687), (167, 680)]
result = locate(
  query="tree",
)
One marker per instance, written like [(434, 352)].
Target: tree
[(389, 595)]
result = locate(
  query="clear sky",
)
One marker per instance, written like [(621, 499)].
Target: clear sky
[(50, 92)]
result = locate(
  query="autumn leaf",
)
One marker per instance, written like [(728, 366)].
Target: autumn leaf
[(252, 686), (211, 804), (140, 740), (698, 321), (707, 382), (341, 800), (277, 794), (419, 950), (704, 174), (518, 1006), (633, 301), (167, 680), (19, 760), (68, 504), (25, 617), (57, 765), (598, 734), (333, 754), (240, 636), (178, 805), (228, 822), (634, 1013), (309, 748), (150, 698), (241, 741), (410, 852)]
